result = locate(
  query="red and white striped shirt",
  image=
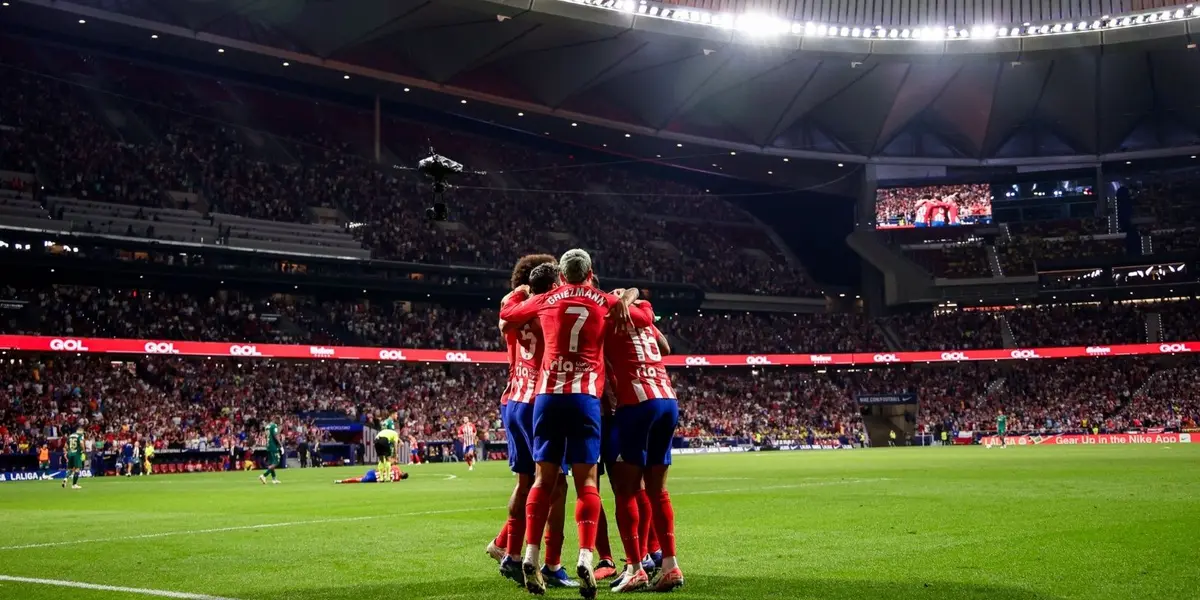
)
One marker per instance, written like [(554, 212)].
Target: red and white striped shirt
[(524, 362), (635, 360), (466, 433), (573, 323)]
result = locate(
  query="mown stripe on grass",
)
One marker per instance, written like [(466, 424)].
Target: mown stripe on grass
[(163, 534)]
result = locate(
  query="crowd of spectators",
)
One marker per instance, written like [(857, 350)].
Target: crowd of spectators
[(778, 403), (1071, 394), (400, 325), (1179, 320), (1175, 240), (149, 314), (1043, 397), (1170, 399), (228, 315), (953, 262), (285, 157), (1075, 325), (753, 333), (952, 330), (1031, 242), (1173, 199), (202, 404), (193, 403), (1020, 255)]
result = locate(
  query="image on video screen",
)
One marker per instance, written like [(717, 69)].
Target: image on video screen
[(933, 206)]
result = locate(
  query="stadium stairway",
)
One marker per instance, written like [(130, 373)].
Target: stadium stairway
[(1154, 327), (889, 336), (1006, 332), (994, 261), (319, 323), (293, 329), (792, 260)]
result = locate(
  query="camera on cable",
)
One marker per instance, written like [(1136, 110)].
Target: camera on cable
[(438, 170)]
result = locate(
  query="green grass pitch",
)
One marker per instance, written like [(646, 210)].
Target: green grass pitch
[(957, 523)]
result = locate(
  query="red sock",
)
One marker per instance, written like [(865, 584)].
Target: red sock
[(664, 521), (514, 542), (537, 509), (627, 526), (645, 520), (652, 544), (554, 542), (587, 515), (501, 540), (602, 546)]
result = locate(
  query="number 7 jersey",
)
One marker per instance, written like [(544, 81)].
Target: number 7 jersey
[(573, 327), (635, 361)]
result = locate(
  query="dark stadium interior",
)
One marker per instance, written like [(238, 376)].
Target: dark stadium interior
[(859, 224), (151, 196)]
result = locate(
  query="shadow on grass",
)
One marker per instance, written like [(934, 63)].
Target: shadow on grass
[(711, 586)]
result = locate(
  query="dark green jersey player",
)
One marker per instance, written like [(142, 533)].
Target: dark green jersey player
[(1001, 429), (389, 423), (74, 449), (274, 453)]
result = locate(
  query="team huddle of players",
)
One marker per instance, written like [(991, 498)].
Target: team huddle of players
[(568, 344)]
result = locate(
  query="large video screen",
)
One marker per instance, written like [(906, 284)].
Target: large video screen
[(933, 206)]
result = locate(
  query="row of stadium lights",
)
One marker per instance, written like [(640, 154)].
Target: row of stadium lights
[(759, 24), (605, 4), (154, 36), (462, 101), (658, 155)]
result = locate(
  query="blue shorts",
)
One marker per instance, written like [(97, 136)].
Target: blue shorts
[(469, 449), (518, 422), (608, 439), (642, 435), (508, 433), (566, 428), (370, 477)]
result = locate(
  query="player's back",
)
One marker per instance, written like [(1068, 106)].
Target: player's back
[(525, 351), (573, 327), (635, 360)]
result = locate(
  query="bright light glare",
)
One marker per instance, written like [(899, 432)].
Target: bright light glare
[(760, 24)]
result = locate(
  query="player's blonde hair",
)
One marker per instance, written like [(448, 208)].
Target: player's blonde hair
[(575, 265)]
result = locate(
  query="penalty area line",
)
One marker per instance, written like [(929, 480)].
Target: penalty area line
[(110, 588), (148, 536)]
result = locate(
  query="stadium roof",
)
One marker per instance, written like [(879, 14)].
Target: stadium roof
[(597, 76)]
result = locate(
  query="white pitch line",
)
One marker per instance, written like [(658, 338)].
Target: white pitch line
[(147, 536), (111, 588)]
